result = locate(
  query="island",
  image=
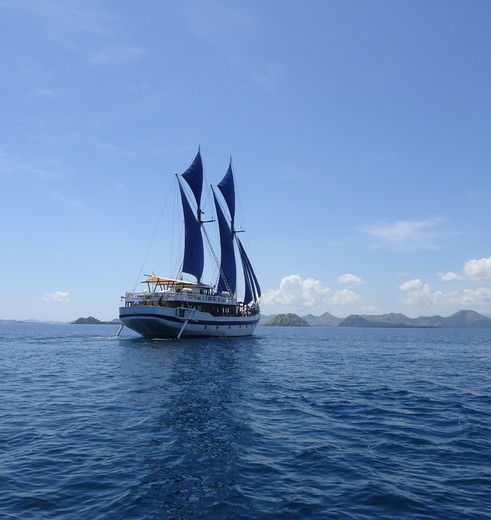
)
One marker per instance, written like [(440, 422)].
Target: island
[(94, 321), (286, 320), (464, 319)]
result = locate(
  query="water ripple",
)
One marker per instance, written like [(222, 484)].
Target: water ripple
[(347, 424)]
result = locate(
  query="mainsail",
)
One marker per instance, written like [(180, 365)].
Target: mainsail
[(194, 259), (194, 177)]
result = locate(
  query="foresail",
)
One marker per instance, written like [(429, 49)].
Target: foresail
[(252, 289), (228, 275), (194, 259)]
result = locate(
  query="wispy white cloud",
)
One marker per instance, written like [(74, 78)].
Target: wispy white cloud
[(12, 165), (109, 147), (475, 298), (411, 285), (46, 173), (56, 296), (69, 22), (420, 296), (117, 53), (475, 269), (479, 269), (406, 235), (450, 276), (66, 15), (218, 22), (303, 296), (231, 30), (66, 202), (345, 297), (44, 92), (350, 279), (296, 291)]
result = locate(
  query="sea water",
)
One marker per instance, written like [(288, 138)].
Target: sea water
[(291, 423)]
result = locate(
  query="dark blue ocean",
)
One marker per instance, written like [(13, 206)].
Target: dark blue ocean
[(292, 423)]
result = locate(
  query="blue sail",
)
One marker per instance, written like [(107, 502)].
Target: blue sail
[(194, 258), (227, 188), (252, 289), (194, 177), (228, 274)]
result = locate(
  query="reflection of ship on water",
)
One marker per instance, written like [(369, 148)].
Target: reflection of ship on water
[(196, 451)]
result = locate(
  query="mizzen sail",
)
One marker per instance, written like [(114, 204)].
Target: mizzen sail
[(252, 289)]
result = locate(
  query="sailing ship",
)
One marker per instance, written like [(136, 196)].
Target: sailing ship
[(178, 307)]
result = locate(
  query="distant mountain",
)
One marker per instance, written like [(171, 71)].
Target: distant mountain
[(461, 319), (264, 318), (94, 321), (374, 320), (87, 321), (287, 320), (325, 320), (467, 319)]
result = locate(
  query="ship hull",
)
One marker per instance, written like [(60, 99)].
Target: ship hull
[(164, 322)]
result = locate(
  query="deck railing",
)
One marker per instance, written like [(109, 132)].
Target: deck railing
[(158, 297)]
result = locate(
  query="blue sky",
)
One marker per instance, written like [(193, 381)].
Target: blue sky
[(359, 130)]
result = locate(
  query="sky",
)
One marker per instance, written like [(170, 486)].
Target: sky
[(359, 133)]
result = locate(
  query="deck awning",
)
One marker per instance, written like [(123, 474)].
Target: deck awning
[(180, 284)]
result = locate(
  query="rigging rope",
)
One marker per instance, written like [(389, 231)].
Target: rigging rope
[(152, 241)]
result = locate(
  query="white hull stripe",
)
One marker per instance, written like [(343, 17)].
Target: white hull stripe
[(193, 321)]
